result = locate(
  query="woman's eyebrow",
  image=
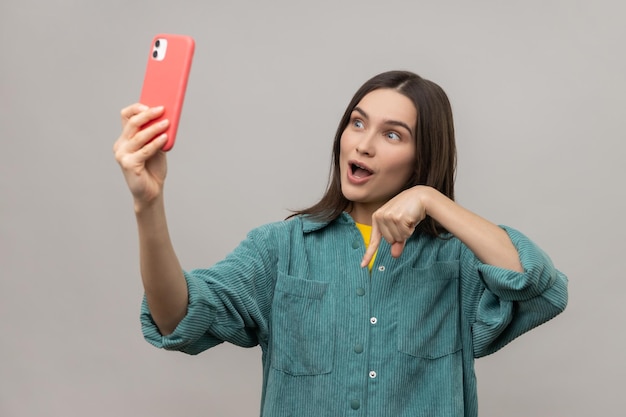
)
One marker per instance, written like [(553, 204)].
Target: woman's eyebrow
[(360, 110), (389, 122), (402, 124)]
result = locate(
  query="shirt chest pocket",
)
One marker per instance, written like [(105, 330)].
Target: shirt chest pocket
[(302, 326), (429, 311)]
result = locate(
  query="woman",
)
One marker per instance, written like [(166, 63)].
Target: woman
[(389, 329)]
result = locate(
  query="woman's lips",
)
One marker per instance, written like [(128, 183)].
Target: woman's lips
[(358, 173)]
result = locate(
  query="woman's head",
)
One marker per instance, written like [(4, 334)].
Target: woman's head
[(434, 159), (377, 151)]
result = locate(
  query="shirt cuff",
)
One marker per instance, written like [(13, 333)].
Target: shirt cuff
[(190, 335), (538, 276)]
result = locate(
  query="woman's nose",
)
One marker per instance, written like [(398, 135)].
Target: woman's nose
[(366, 145)]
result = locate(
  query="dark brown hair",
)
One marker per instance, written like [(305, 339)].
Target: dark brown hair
[(435, 151)]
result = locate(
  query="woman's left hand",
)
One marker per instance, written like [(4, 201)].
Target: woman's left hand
[(395, 221)]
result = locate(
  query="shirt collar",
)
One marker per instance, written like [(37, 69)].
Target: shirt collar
[(310, 224)]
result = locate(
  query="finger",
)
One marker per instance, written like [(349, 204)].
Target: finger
[(138, 120), (153, 147), (141, 118), (372, 246), (394, 237), (131, 145), (396, 227), (389, 230), (148, 134), (129, 111), (397, 248), (137, 160)]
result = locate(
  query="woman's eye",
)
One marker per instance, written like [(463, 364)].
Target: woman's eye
[(358, 124), (392, 136)]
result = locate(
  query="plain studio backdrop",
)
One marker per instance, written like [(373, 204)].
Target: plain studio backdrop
[(539, 95)]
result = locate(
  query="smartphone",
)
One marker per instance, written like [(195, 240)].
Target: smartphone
[(165, 80)]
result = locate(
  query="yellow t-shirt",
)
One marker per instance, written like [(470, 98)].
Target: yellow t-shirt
[(366, 231)]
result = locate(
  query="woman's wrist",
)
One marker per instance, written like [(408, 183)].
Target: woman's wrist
[(427, 196), (143, 207)]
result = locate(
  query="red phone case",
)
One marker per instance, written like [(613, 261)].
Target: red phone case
[(165, 80)]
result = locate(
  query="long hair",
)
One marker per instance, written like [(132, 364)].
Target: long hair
[(435, 150)]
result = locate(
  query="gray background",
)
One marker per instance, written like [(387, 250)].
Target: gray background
[(538, 92)]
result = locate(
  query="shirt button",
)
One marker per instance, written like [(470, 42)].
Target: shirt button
[(372, 374), (373, 320), (356, 244), (358, 348), (355, 404), (360, 291), (381, 268)]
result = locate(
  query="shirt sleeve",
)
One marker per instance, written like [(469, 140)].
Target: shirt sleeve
[(504, 304), (228, 302)]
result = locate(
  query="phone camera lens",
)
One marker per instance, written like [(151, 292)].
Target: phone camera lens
[(155, 54), (157, 43)]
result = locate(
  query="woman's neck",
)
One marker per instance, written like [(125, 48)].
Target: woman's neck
[(362, 212)]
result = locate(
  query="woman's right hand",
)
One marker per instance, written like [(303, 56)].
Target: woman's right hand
[(138, 151)]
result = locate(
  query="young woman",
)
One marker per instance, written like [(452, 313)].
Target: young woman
[(376, 300)]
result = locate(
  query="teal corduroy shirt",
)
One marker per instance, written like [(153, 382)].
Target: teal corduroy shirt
[(339, 341)]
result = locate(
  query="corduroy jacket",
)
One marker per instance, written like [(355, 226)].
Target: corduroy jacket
[(340, 341)]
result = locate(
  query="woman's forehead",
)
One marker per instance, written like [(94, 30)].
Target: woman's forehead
[(388, 104)]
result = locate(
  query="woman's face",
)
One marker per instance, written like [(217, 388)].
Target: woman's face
[(377, 151)]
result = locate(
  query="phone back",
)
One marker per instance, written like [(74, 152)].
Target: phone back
[(166, 76)]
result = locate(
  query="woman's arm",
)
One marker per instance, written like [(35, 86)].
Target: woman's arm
[(396, 220), (500, 299), (489, 242), (138, 151), (162, 276)]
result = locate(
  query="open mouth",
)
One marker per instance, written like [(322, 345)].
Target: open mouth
[(359, 171)]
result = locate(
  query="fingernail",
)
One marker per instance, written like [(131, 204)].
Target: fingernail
[(164, 122), (157, 109)]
